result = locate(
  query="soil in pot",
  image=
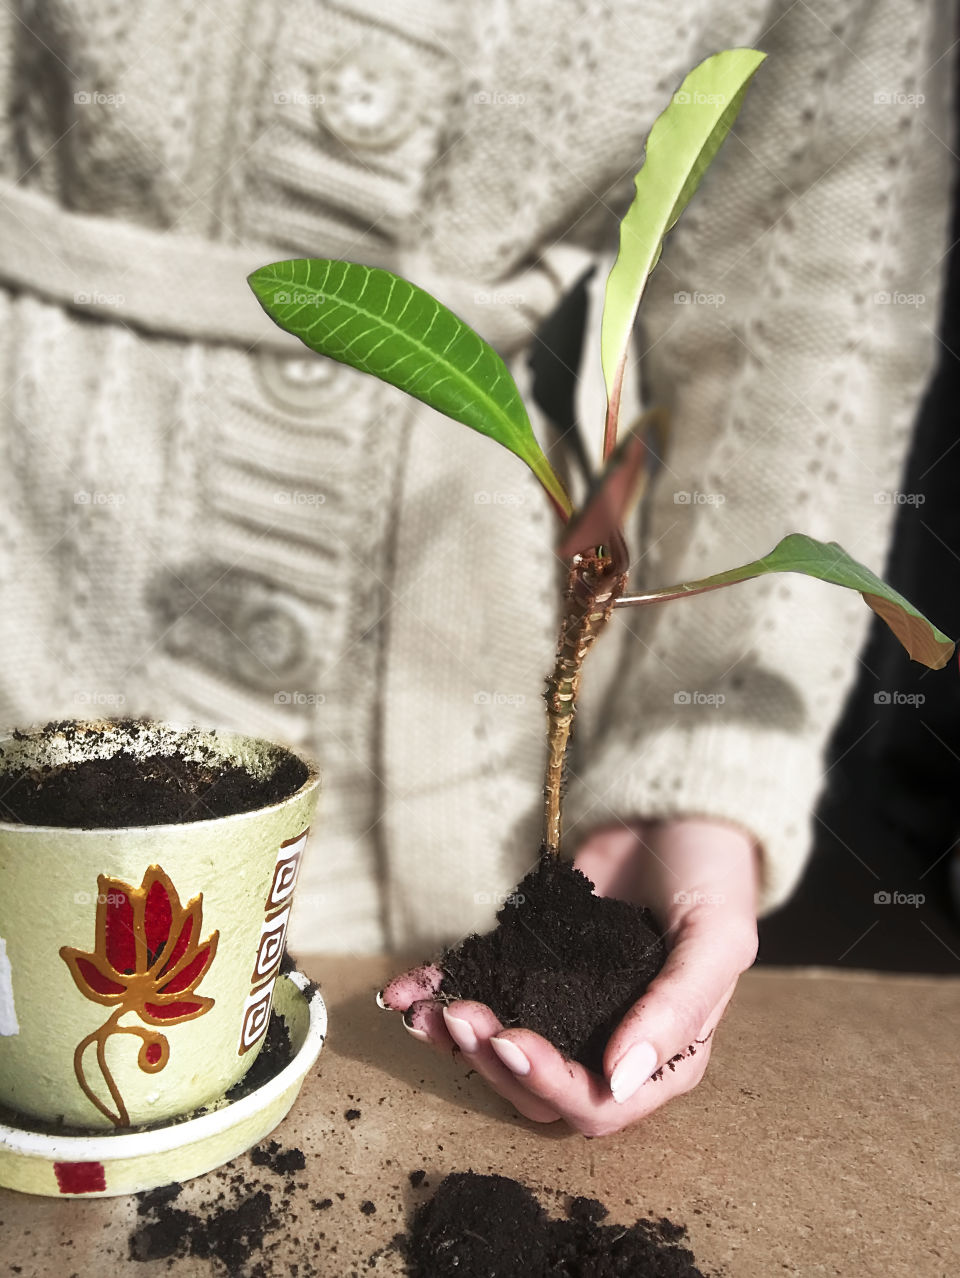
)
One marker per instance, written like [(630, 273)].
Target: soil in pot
[(561, 961), (136, 789), (493, 1227)]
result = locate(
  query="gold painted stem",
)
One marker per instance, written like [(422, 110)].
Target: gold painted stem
[(593, 586), (100, 1036)]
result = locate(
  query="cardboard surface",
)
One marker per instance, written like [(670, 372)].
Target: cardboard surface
[(822, 1141)]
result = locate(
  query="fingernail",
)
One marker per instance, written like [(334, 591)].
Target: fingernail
[(511, 1056), (416, 1033), (408, 1025), (461, 1032), (380, 1003), (632, 1071)]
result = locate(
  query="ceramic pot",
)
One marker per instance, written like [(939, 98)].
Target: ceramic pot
[(137, 965)]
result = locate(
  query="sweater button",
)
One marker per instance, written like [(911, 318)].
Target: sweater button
[(302, 384), (367, 98), (273, 645)]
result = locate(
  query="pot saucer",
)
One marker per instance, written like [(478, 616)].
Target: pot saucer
[(104, 1165)]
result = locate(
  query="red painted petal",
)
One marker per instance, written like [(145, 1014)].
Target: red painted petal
[(96, 980), (178, 951), (170, 1011), (190, 975), (157, 918), (119, 942), (153, 1053)]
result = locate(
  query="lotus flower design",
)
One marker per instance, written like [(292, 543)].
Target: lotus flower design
[(148, 959)]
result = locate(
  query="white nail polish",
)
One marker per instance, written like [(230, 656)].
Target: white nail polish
[(632, 1071), (381, 1004), (417, 1033), (511, 1056), (461, 1032)]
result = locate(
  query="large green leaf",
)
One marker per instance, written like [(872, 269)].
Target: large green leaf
[(830, 562), (382, 324), (681, 146)]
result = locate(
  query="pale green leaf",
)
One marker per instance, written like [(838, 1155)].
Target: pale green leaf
[(382, 324), (683, 142), (830, 562)]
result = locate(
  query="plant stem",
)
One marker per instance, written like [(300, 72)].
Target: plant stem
[(593, 585)]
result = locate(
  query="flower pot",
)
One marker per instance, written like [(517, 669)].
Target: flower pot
[(126, 1162), (138, 962)]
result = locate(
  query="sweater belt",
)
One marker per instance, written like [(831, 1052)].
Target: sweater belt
[(177, 285), (190, 288)]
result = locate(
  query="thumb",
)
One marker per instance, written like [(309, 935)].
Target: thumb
[(698, 978)]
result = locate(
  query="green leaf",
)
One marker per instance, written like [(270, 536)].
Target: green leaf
[(382, 324), (830, 562), (683, 142)]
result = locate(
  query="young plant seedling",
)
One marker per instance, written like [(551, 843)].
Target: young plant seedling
[(382, 324)]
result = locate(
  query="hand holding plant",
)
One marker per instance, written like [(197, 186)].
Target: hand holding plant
[(710, 927), (386, 326)]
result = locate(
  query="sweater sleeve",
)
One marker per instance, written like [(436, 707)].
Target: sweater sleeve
[(789, 330)]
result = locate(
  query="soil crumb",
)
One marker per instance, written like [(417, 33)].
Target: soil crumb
[(283, 1162)]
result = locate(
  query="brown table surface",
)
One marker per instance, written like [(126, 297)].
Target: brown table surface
[(822, 1141)]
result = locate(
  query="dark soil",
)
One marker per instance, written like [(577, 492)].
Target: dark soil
[(228, 1233), (561, 961), (127, 789), (284, 1162), (493, 1227), (275, 1055)]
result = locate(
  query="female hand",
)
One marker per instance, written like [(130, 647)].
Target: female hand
[(699, 877)]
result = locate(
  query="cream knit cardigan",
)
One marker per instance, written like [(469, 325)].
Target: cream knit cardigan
[(201, 523)]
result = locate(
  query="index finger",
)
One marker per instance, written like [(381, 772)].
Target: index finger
[(412, 986)]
